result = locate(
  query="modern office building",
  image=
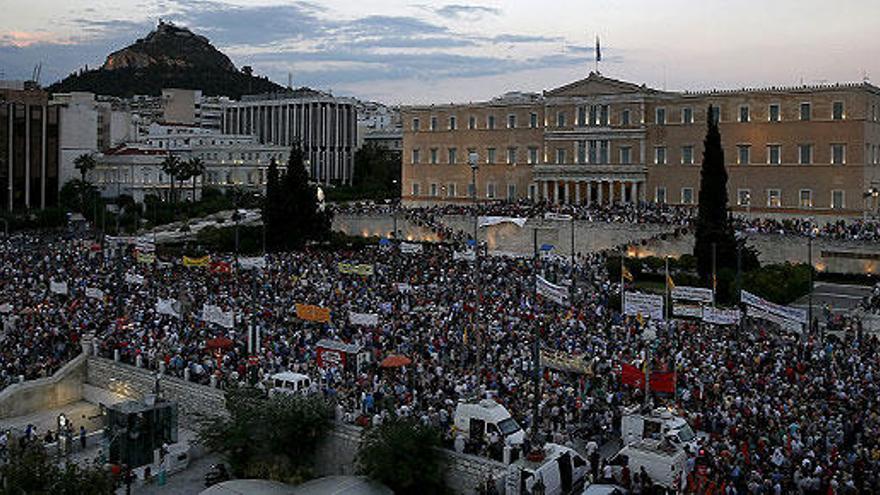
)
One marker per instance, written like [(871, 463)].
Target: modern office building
[(324, 125), (29, 150), (804, 149)]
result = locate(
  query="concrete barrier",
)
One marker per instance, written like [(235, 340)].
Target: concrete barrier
[(62, 388)]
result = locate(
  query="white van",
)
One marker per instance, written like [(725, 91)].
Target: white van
[(664, 462), (289, 383), (562, 471), (477, 420), (659, 424)]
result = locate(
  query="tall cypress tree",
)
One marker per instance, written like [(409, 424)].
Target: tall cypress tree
[(272, 214), (292, 207), (713, 220)]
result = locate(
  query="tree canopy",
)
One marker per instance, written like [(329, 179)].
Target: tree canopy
[(403, 454)]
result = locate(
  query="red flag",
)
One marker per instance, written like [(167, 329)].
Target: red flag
[(630, 375), (220, 267), (663, 381)]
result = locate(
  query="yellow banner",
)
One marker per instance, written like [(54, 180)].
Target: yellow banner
[(310, 312), (351, 268), (565, 362), (203, 261), (145, 257)]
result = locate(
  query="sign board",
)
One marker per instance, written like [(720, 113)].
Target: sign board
[(647, 305), (785, 312), (555, 293), (698, 294), (721, 316), (687, 310)]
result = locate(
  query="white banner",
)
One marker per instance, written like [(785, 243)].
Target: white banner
[(5, 308), (94, 293), (168, 307), (794, 314), (784, 323), (556, 293), (467, 255), (647, 305), (255, 263), (698, 294), (721, 316), (562, 217), (687, 310), (213, 314), (58, 287), (133, 278), (410, 248), (490, 221), (367, 319), (145, 246), (403, 287)]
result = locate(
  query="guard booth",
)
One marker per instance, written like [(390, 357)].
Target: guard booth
[(135, 429), (349, 357)]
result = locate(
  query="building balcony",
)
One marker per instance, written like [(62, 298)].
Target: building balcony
[(590, 171)]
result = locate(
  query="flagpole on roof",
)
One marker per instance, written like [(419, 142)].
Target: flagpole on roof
[(598, 54)]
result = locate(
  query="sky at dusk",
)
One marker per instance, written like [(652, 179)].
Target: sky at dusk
[(416, 51)]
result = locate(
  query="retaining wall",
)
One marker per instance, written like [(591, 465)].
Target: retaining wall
[(62, 388)]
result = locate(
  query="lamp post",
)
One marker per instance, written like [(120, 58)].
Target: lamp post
[(813, 232), (472, 161)]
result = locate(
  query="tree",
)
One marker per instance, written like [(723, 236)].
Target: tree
[(376, 170), (175, 168), (30, 469), (195, 168), (79, 195), (84, 163), (272, 206), (271, 438), (403, 454), (713, 219)]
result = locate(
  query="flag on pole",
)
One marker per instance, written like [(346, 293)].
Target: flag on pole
[(598, 50), (626, 274), (670, 282)]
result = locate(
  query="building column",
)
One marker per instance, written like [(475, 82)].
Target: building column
[(599, 192), (566, 189), (634, 192), (611, 193), (544, 186), (577, 193), (622, 192), (589, 193)]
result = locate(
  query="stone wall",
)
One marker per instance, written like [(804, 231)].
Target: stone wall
[(53, 392)]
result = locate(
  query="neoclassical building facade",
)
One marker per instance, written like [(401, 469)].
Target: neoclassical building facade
[(805, 149)]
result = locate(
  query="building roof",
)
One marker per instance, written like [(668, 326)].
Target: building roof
[(597, 84), (127, 150)]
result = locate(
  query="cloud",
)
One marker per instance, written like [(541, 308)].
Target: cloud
[(24, 39), (526, 38), (458, 11)]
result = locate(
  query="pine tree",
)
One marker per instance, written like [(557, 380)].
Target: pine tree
[(713, 225), (272, 206)]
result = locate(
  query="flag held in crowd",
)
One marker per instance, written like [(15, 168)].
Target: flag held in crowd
[(220, 267), (214, 314), (168, 307), (310, 312)]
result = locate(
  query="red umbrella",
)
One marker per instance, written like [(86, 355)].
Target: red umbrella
[(395, 361), (219, 343)]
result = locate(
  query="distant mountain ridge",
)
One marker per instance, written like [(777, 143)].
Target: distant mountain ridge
[(168, 57)]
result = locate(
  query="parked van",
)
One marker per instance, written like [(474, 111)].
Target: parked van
[(659, 424), (664, 462), (289, 383), (562, 471), (477, 420)]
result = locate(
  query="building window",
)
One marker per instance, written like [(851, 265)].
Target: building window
[(415, 189), (838, 154), (511, 191), (490, 122), (625, 155), (743, 154), (415, 156), (604, 111), (660, 116), (582, 116), (511, 156), (660, 155), (490, 155), (533, 120), (452, 156), (805, 198), (433, 123), (433, 156), (453, 123), (560, 119), (805, 154), (472, 122), (687, 115), (744, 113), (687, 155), (533, 191), (687, 195), (415, 124), (511, 121), (560, 156), (450, 190), (806, 111), (433, 189), (471, 189), (837, 110), (715, 113), (490, 190), (773, 112), (592, 154), (744, 197), (603, 151), (774, 154), (837, 199), (624, 117), (660, 195), (533, 155), (582, 152), (774, 198)]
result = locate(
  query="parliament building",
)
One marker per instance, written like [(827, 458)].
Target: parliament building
[(802, 149)]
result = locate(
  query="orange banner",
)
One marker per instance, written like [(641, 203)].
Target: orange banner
[(311, 312)]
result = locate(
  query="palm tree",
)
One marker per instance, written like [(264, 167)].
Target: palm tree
[(174, 168), (195, 168), (84, 163)]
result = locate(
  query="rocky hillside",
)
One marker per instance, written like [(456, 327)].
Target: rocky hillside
[(169, 57)]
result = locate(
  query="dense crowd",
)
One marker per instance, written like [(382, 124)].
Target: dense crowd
[(782, 414)]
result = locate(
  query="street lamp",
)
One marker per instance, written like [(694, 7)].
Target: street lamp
[(472, 161), (813, 232)]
